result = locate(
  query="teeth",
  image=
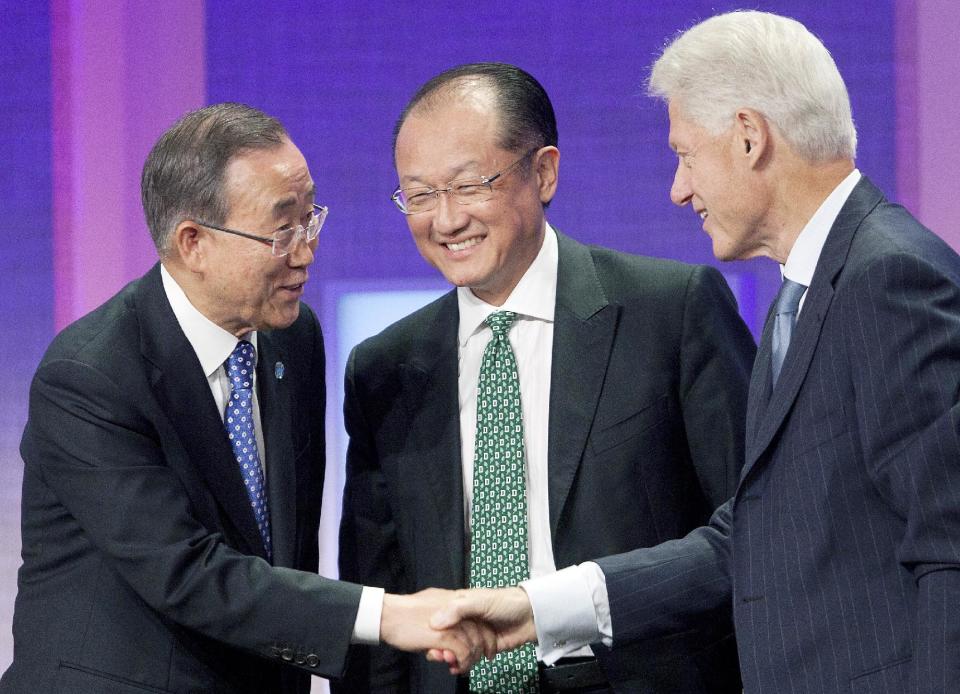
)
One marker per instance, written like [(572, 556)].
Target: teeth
[(703, 214), (464, 244)]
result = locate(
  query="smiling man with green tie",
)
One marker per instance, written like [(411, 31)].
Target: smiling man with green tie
[(562, 402)]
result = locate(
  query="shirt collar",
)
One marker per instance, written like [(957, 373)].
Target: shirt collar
[(535, 295), (211, 343), (803, 257)]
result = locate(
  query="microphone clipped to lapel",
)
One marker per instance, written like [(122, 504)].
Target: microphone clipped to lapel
[(278, 370)]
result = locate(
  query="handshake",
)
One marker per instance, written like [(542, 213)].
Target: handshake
[(458, 627)]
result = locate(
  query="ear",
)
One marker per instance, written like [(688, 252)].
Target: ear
[(547, 163), (188, 242), (752, 135)]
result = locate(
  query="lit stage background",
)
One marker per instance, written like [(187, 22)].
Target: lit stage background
[(86, 87)]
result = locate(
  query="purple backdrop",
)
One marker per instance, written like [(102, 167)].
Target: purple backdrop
[(26, 258), (340, 93)]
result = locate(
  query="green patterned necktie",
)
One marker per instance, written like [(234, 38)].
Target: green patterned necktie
[(498, 539)]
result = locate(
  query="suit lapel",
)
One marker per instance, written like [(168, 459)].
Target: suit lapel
[(277, 418), (182, 391), (760, 377), (864, 198), (584, 327), (431, 397)]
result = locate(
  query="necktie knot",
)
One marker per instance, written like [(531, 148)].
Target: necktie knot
[(785, 310), (240, 365), (788, 298), (500, 322)]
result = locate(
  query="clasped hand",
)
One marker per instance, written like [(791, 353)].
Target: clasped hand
[(458, 627)]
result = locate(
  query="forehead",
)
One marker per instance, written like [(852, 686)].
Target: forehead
[(684, 133), (275, 178), (453, 134)]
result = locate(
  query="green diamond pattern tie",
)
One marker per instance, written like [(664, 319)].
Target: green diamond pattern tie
[(498, 540)]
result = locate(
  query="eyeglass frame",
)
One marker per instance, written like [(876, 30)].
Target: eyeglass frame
[(484, 181), (299, 231)]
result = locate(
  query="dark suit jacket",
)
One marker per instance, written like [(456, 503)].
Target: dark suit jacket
[(143, 570), (841, 547), (647, 405)]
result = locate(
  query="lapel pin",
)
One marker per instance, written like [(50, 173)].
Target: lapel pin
[(278, 370)]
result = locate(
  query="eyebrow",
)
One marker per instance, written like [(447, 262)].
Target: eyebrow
[(284, 204), (417, 180)]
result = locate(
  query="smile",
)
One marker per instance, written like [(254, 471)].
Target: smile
[(464, 245)]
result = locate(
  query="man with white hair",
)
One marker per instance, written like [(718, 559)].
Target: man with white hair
[(840, 549)]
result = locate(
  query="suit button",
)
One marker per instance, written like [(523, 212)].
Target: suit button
[(286, 654), (300, 658), (275, 652), (313, 660)]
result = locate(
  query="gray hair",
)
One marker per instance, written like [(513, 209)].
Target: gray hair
[(183, 175), (765, 62)]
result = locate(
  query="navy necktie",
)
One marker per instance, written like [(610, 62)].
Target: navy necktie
[(238, 420), (785, 317)]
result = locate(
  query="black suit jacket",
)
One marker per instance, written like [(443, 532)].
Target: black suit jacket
[(841, 548), (143, 570), (647, 402)]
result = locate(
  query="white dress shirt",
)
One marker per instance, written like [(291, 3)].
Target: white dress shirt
[(803, 257), (212, 345), (570, 607), (531, 337)]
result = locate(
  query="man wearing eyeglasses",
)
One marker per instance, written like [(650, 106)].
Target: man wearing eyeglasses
[(562, 402), (174, 453)]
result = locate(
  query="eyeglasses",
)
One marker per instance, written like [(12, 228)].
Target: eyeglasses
[(465, 191), (283, 241)]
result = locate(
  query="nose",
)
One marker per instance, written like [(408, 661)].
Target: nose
[(449, 216), (680, 191), (302, 253)]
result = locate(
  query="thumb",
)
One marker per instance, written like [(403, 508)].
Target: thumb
[(445, 618)]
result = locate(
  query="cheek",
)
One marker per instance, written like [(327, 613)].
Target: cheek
[(420, 231)]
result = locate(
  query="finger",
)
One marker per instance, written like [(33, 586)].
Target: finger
[(473, 636), (453, 666), (481, 637), (456, 649), (489, 639), (435, 655), (438, 655)]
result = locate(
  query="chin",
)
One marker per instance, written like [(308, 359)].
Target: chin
[(284, 319), (724, 251), (458, 279)]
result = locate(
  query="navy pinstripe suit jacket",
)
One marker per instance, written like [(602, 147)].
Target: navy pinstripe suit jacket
[(841, 547)]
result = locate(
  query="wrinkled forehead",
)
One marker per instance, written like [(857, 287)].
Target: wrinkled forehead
[(684, 133)]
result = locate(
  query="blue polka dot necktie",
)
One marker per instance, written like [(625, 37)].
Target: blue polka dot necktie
[(498, 529), (238, 420)]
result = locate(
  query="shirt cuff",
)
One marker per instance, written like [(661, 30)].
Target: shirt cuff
[(366, 630), (570, 610)]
